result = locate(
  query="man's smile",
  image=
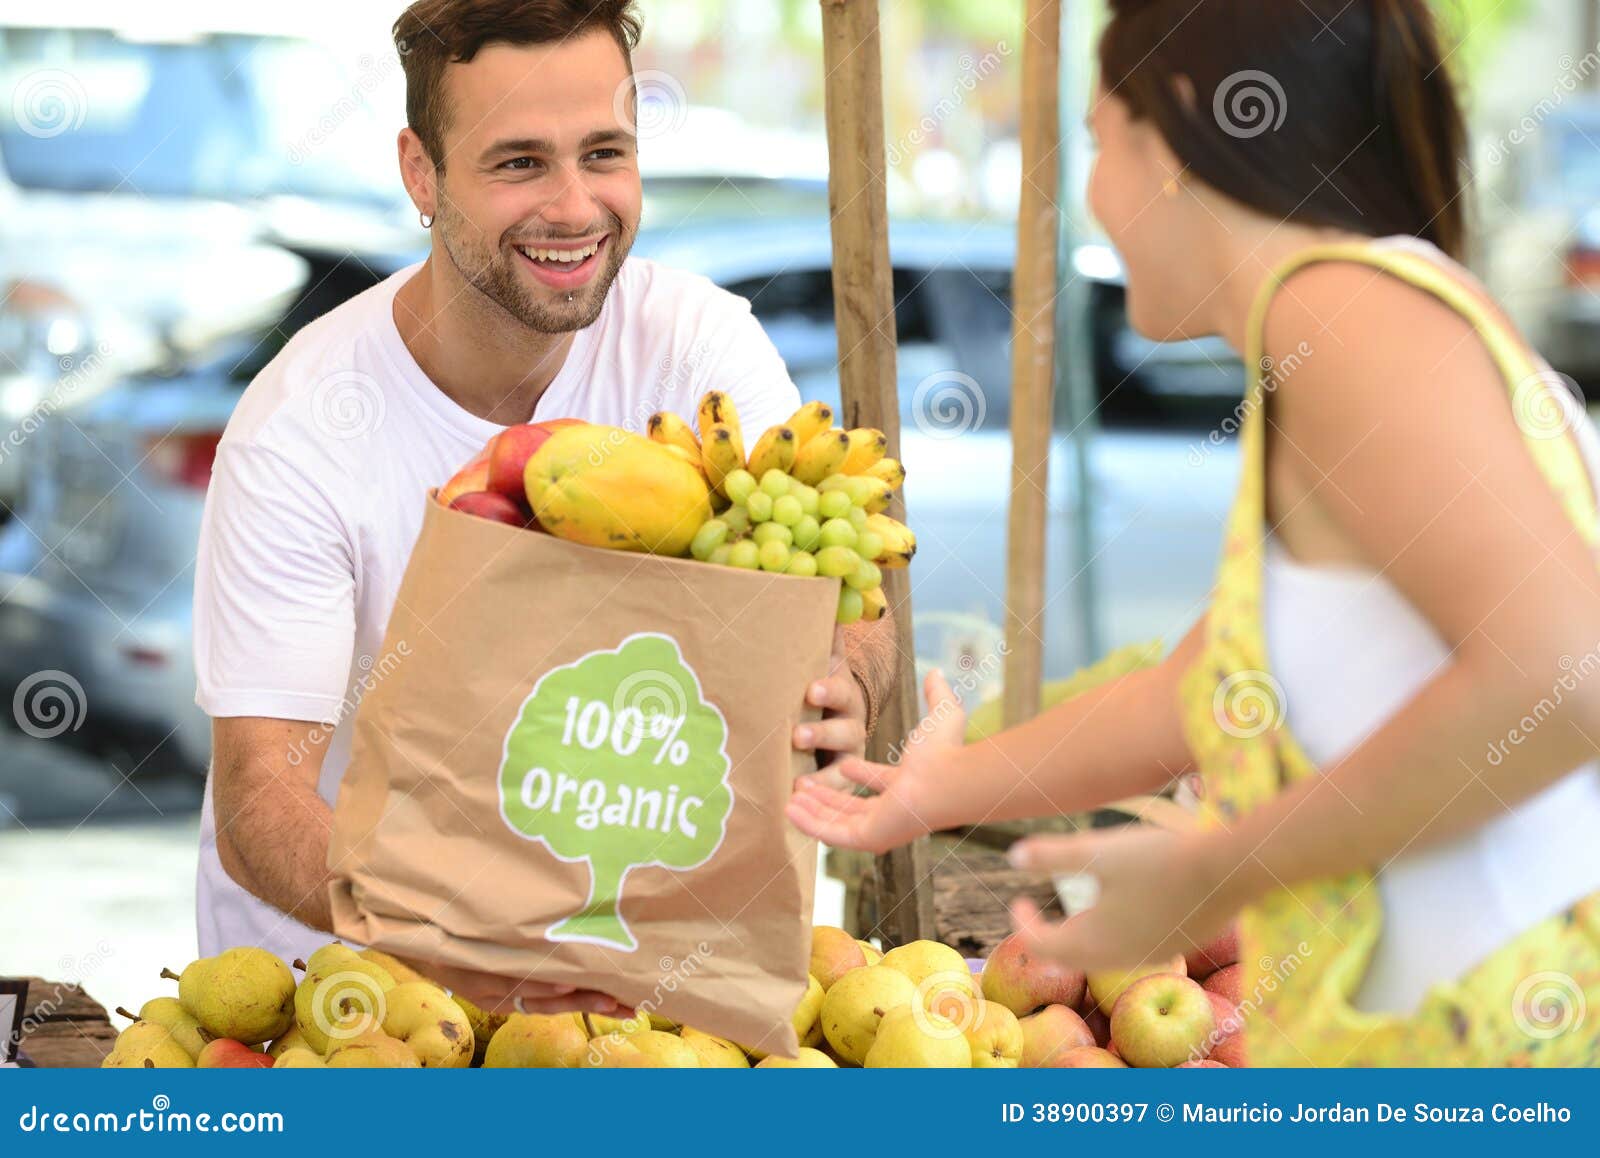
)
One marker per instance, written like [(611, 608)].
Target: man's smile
[(564, 265)]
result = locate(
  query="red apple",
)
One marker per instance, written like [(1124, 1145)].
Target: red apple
[(1161, 1021), (1089, 1057), (1229, 1022), (1050, 1034), (1214, 954), (510, 450), (472, 477), (1226, 982), (489, 505), (1204, 1063), (226, 1054), (1021, 982)]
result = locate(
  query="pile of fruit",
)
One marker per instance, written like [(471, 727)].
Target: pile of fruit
[(920, 1005), (808, 500)]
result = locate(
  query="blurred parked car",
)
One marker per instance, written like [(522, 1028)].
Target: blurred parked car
[(1542, 246)]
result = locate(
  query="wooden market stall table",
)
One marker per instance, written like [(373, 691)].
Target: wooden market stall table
[(63, 1027)]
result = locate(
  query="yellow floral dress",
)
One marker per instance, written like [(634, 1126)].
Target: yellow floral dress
[(1304, 949)]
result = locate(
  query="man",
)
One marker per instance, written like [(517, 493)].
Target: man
[(520, 158)]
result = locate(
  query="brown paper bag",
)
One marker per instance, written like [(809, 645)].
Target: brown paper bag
[(577, 774)]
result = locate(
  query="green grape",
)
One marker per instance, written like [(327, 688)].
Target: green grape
[(760, 507), (850, 605), (774, 556), (776, 483), (839, 533), (708, 538), (865, 577), (833, 505), (745, 554), (737, 520), (837, 562), (773, 533), (835, 482), (739, 485), (787, 510), (869, 545), (809, 498), (802, 563), (807, 535), (721, 555), (858, 518)]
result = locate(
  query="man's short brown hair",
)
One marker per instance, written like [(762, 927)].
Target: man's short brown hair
[(433, 33)]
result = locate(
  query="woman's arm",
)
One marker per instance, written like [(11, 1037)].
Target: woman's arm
[(1113, 741)]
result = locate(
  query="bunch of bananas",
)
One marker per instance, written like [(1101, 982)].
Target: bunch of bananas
[(808, 499)]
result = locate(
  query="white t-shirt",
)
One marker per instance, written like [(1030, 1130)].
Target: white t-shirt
[(317, 498)]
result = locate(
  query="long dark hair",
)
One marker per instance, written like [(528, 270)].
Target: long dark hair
[(1327, 112)]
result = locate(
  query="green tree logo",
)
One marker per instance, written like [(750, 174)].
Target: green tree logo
[(617, 760)]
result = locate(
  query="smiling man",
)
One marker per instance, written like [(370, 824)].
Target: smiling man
[(520, 157)]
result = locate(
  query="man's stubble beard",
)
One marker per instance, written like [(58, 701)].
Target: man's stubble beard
[(491, 272)]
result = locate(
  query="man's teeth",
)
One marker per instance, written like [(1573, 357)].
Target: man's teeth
[(562, 255)]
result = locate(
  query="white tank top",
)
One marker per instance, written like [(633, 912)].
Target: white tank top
[(1350, 651)]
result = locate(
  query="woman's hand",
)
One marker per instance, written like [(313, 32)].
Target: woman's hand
[(905, 804), (1160, 894)]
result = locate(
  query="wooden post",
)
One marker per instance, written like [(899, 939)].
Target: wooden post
[(1033, 294), (863, 295)]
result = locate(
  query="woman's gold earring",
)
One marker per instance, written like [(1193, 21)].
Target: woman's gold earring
[(1171, 188)]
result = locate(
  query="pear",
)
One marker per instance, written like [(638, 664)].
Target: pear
[(340, 997), (665, 1025), (833, 954), (246, 994), (934, 969), (371, 1051), (614, 1051), (871, 952), (538, 1041), (146, 1045), (599, 1025), (715, 1053), (179, 1022), (422, 1015), (294, 1039), (484, 1025), (913, 1038), (856, 1004), (808, 1059), (994, 1036), (396, 968), (807, 1016), (665, 1050), (299, 1058)]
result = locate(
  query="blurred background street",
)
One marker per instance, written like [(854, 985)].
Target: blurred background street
[(183, 185)]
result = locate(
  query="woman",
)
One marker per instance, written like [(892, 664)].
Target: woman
[(1387, 698)]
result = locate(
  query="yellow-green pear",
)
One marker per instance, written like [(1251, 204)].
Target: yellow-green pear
[(178, 1021), (665, 1050), (538, 1041), (146, 1045), (857, 1002), (422, 1015), (340, 998), (808, 1059), (871, 952), (807, 1016), (299, 1058), (246, 994), (371, 1051), (614, 1051), (912, 1038), (833, 954), (665, 1025), (934, 969), (396, 968), (599, 1025), (294, 1039), (484, 1025), (715, 1053), (994, 1035)]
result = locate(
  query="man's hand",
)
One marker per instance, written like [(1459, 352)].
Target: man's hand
[(494, 994), (842, 731)]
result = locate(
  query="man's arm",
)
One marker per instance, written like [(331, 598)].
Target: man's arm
[(273, 829), (872, 653)]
